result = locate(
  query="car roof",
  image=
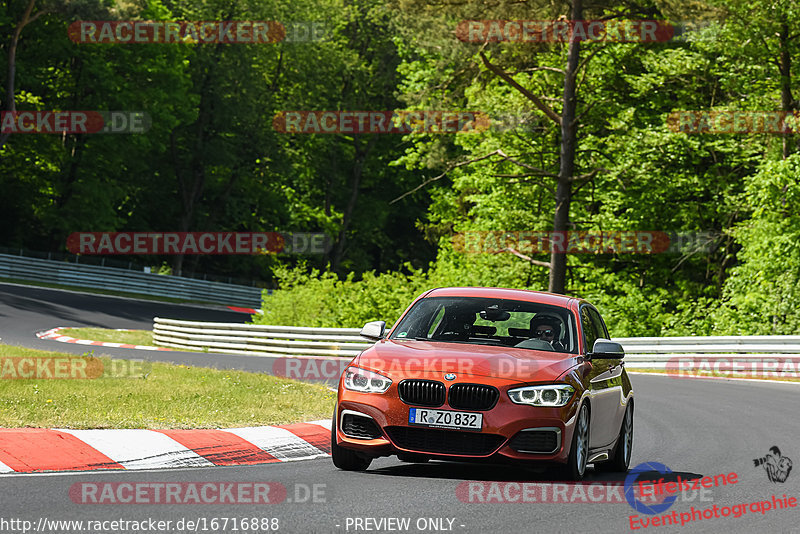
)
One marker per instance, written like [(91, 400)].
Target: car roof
[(541, 297)]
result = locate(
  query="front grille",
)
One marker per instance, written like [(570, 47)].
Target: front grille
[(358, 426), (542, 441), (444, 441), (421, 392), (473, 397)]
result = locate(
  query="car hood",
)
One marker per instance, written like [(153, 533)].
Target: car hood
[(411, 358)]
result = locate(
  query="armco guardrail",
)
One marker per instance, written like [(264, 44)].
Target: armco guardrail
[(123, 280), (756, 353), (258, 340), (759, 354)]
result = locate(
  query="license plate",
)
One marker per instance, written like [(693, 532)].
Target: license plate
[(445, 419)]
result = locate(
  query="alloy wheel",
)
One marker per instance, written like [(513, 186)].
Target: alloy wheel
[(582, 443)]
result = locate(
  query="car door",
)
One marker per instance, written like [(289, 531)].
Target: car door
[(605, 385)]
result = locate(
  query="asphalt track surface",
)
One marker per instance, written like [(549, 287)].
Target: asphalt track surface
[(695, 427)]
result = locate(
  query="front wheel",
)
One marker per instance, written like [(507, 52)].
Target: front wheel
[(346, 459), (579, 452)]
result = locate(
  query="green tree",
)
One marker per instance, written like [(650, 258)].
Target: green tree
[(762, 292)]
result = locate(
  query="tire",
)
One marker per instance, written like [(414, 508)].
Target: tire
[(621, 460), (413, 458), (345, 459), (579, 451)]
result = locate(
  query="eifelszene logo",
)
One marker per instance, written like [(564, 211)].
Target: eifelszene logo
[(630, 483)]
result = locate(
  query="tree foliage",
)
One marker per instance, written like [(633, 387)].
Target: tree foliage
[(393, 205)]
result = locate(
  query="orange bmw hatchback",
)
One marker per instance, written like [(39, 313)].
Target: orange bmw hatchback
[(488, 374)]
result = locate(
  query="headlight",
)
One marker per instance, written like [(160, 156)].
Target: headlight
[(365, 381), (554, 395)]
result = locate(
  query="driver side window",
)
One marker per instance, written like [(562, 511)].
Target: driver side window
[(599, 326), (587, 325)]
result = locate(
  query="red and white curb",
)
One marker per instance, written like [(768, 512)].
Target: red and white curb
[(28, 450), (53, 335)]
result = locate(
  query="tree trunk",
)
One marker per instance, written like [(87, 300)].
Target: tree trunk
[(191, 187), (785, 67), (359, 159), (10, 105), (558, 259)]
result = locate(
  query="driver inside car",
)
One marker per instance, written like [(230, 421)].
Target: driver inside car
[(547, 328)]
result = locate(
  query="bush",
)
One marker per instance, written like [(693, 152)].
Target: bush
[(322, 300)]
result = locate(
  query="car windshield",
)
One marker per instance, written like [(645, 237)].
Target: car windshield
[(487, 321)]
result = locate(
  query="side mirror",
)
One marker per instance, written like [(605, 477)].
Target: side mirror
[(373, 330), (605, 349)]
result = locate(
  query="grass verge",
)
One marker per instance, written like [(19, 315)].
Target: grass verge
[(169, 396)]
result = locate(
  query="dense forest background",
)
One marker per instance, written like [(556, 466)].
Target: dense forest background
[(584, 145)]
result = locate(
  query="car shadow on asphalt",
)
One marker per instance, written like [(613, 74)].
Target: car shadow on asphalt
[(516, 473)]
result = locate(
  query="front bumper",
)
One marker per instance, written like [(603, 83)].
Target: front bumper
[(501, 438)]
